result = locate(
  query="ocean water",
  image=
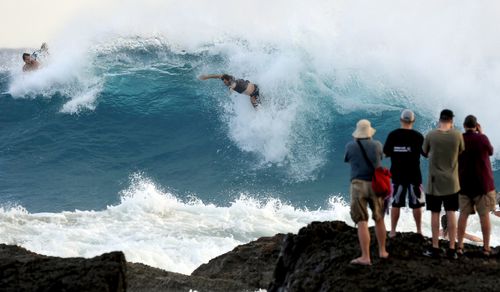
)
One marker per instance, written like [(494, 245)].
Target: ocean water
[(115, 144)]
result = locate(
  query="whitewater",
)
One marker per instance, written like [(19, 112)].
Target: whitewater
[(115, 144)]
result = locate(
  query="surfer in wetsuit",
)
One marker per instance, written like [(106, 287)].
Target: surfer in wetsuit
[(239, 85), (30, 61)]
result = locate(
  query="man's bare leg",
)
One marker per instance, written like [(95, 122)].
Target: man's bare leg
[(364, 244)]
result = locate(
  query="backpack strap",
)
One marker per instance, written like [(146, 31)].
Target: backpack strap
[(370, 163)]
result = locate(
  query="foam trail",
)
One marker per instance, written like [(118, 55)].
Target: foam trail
[(82, 101)]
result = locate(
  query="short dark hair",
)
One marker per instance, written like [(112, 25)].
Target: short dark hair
[(446, 115), (227, 77), (26, 55), (470, 122)]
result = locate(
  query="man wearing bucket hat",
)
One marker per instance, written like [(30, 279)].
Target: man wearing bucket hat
[(362, 194)]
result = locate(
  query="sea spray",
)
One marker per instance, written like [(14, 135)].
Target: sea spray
[(159, 229)]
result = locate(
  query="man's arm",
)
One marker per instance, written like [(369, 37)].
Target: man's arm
[(426, 147), (489, 148), (388, 146), (346, 155), (421, 143), (210, 76), (472, 237), (462, 144), (380, 151)]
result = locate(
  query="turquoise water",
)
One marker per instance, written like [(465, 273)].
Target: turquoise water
[(152, 116)]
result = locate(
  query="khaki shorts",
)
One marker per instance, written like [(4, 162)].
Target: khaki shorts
[(483, 203), (362, 195)]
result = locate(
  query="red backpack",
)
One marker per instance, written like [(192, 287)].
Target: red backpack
[(381, 180)]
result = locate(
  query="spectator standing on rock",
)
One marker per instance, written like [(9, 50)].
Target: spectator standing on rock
[(442, 146), (404, 146), (361, 190), (477, 188)]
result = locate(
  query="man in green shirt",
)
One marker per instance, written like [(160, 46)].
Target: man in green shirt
[(442, 146)]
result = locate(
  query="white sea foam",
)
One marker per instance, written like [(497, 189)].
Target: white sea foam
[(156, 228), (66, 71), (83, 100)]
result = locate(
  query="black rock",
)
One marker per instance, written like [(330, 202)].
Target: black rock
[(252, 263), (142, 278), (317, 259), (22, 270)]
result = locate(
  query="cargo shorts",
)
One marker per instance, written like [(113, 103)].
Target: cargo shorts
[(362, 196), (483, 204)]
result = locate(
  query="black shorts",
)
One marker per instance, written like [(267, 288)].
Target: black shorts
[(414, 192), (434, 203), (256, 93)]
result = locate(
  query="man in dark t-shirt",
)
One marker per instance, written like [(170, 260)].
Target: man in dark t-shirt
[(404, 146)]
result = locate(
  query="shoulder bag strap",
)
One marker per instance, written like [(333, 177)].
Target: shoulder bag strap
[(370, 163)]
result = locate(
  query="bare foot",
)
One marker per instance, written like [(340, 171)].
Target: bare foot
[(383, 255), (392, 234), (361, 261)]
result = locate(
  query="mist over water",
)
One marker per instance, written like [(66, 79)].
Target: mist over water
[(119, 96)]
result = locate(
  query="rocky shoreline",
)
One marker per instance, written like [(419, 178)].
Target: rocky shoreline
[(315, 259)]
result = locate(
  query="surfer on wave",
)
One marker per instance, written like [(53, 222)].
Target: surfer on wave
[(30, 60), (239, 85)]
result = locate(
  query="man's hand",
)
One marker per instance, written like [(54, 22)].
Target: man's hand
[(479, 129)]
